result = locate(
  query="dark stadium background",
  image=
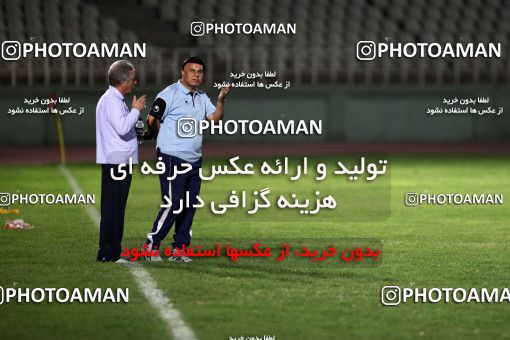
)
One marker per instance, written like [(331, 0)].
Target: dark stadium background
[(380, 103)]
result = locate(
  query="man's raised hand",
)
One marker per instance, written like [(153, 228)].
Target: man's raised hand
[(139, 103)]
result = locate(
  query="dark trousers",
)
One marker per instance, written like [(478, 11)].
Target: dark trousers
[(114, 195), (176, 191)]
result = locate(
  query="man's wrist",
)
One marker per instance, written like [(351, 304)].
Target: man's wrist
[(221, 100)]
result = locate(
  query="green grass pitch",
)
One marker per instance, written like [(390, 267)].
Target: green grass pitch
[(426, 246)]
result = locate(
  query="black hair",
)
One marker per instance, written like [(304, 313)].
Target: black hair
[(193, 60)]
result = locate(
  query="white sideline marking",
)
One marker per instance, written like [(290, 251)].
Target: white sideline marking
[(145, 283)]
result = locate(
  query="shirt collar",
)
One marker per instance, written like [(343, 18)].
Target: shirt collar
[(116, 92)]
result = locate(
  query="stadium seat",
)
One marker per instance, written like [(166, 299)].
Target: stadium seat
[(321, 24)]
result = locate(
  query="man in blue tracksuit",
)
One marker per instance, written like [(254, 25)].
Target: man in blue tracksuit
[(174, 118)]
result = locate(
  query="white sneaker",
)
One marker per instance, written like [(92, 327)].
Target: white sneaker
[(151, 258), (122, 261), (180, 258)]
